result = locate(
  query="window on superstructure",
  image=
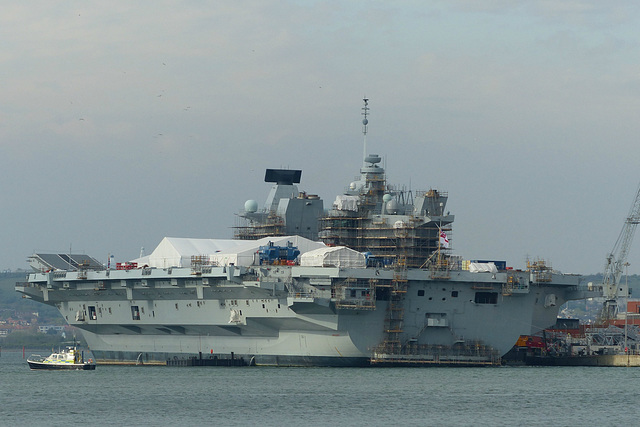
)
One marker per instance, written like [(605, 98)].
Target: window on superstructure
[(92, 312), (135, 312), (486, 298), (454, 294), (420, 292)]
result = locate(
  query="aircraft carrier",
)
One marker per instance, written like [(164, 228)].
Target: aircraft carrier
[(369, 281)]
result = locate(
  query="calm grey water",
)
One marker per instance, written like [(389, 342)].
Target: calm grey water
[(145, 395)]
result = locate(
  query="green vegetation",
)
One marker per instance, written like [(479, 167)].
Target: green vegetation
[(30, 338), (12, 303), (22, 316)]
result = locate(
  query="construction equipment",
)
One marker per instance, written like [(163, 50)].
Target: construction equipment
[(612, 288)]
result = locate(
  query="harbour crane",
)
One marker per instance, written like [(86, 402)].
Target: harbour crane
[(612, 288)]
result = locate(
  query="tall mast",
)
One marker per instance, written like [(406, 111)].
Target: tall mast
[(365, 123)]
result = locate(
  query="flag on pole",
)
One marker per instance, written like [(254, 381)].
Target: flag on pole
[(444, 241)]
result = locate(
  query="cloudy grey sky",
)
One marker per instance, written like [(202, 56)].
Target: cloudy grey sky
[(125, 122)]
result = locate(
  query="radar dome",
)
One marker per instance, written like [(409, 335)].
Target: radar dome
[(372, 158), (251, 206), (352, 186), (387, 197), (392, 206)]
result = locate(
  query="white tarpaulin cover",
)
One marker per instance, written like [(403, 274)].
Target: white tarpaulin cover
[(482, 267), (177, 251), (346, 203), (246, 254), (337, 256)]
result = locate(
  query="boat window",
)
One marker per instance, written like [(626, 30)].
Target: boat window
[(135, 312), (454, 294), (420, 292), (486, 298), (92, 312)]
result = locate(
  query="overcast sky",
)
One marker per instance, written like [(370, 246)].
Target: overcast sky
[(124, 122)]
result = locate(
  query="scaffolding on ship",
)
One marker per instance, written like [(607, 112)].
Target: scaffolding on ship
[(368, 231), (272, 226)]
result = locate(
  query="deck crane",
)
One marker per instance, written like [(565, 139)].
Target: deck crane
[(617, 260)]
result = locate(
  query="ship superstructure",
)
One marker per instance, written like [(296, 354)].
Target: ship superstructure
[(287, 210), (374, 284), (387, 223)]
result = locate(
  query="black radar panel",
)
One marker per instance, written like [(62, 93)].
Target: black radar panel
[(283, 176)]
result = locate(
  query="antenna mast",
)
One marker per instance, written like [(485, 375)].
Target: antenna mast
[(365, 123)]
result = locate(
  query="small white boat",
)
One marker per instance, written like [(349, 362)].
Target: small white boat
[(67, 359)]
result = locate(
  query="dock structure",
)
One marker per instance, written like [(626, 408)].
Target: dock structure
[(609, 360)]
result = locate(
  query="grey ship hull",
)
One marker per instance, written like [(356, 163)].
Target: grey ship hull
[(300, 316)]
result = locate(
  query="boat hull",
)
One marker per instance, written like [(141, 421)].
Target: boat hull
[(61, 367), (301, 316)]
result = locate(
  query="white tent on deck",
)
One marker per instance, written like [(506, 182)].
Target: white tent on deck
[(177, 251), (336, 256), (246, 254)]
